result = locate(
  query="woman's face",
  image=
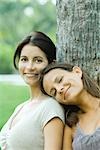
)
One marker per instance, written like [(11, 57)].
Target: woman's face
[(32, 61), (64, 86)]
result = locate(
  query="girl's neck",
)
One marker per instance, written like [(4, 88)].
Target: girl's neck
[(87, 102)]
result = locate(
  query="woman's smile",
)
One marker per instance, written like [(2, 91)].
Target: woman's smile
[(31, 74), (32, 61)]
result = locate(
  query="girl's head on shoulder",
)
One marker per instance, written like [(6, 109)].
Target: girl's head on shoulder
[(66, 82)]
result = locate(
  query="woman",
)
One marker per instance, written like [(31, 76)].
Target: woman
[(38, 123), (70, 85)]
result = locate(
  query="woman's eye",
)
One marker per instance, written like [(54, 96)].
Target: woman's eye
[(38, 60), (23, 59)]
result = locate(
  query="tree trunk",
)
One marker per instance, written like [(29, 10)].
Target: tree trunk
[(78, 34)]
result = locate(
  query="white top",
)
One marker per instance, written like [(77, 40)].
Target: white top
[(27, 134)]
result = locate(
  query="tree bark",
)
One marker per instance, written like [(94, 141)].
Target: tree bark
[(78, 34)]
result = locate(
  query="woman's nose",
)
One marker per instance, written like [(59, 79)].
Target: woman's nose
[(30, 65)]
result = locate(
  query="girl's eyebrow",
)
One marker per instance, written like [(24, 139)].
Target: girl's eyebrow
[(56, 79), (52, 91)]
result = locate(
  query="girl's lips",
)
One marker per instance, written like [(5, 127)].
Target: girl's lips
[(66, 92)]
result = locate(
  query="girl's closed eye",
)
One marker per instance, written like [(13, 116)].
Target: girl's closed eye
[(59, 79)]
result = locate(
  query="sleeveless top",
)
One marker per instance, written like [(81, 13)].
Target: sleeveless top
[(82, 141), (27, 134)]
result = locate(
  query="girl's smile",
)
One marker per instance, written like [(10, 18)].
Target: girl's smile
[(63, 85)]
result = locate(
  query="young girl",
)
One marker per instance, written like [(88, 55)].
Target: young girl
[(70, 85), (38, 123)]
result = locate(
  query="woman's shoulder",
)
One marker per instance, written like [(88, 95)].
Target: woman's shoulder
[(21, 105), (52, 102), (51, 109), (51, 106)]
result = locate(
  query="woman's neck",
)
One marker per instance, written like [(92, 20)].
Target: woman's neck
[(87, 102), (36, 93)]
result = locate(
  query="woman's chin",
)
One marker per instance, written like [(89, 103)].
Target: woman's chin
[(31, 82)]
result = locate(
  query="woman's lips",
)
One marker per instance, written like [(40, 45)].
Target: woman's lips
[(31, 74)]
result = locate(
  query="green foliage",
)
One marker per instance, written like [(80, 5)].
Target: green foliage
[(17, 19), (10, 96), (5, 59)]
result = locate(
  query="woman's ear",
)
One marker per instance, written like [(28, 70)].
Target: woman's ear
[(77, 70)]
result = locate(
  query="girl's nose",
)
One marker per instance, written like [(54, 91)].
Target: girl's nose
[(60, 89)]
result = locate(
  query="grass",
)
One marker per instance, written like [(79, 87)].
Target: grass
[(10, 96)]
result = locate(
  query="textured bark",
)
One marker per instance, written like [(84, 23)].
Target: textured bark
[(78, 34)]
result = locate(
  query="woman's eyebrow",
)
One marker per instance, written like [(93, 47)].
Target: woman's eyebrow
[(38, 57), (23, 56)]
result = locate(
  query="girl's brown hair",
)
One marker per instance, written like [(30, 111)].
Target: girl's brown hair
[(89, 85)]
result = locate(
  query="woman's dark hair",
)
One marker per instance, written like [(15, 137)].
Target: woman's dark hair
[(40, 40), (89, 85)]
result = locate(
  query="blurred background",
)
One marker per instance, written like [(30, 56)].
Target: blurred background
[(17, 19)]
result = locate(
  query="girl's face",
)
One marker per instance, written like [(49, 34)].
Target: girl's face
[(64, 86), (32, 61)]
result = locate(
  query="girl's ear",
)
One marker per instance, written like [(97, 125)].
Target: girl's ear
[(77, 70)]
